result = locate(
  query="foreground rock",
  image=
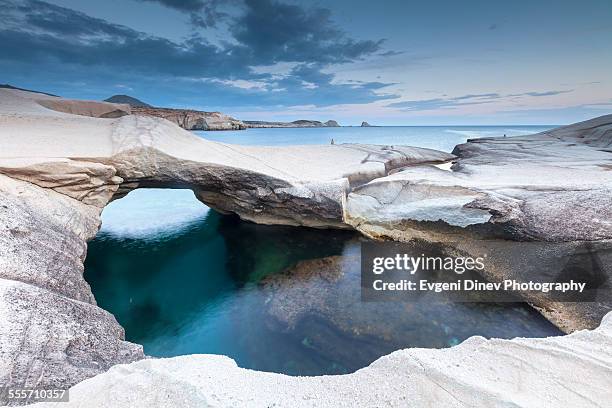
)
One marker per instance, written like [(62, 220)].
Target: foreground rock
[(302, 123), (53, 334), (573, 370)]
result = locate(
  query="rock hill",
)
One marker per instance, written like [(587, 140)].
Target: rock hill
[(128, 100)]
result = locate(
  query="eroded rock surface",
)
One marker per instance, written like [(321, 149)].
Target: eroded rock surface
[(529, 203), (92, 159), (53, 334), (572, 370), (554, 186)]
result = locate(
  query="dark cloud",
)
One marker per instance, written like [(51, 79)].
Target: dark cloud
[(477, 96), (391, 53), (272, 31), (465, 100), (182, 5), (51, 40), (202, 13), (547, 93)]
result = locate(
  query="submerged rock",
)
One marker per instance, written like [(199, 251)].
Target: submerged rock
[(322, 300)]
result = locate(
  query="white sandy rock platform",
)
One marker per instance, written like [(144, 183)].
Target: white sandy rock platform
[(569, 371)]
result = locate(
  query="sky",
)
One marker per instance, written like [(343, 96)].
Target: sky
[(388, 62)]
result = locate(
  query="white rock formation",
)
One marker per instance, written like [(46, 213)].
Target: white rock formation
[(553, 186), (92, 159), (60, 164), (503, 197), (53, 334), (569, 371)]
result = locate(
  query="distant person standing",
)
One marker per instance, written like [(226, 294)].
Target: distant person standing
[(332, 141)]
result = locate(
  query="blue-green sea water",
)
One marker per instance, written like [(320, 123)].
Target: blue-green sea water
[(182, 279)]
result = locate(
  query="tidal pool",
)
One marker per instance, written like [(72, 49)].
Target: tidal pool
[(278, 299)]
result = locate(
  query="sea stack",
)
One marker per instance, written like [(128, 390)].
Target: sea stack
[(365, 124)]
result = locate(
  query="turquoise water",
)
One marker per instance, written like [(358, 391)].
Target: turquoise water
[(183, 279)]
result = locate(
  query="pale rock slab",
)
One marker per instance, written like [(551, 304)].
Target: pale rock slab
[(477, 373)]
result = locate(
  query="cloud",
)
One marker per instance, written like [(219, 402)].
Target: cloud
[(547, 93), (271, 32), (183, 5), (391, 53), (202, 13), (38, 37), (466, 100)]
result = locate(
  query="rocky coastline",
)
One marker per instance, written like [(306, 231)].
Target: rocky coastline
[(302, 123), (190, 119), (72, 157)]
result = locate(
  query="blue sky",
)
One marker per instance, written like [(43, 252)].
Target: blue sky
[(387, 62)]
